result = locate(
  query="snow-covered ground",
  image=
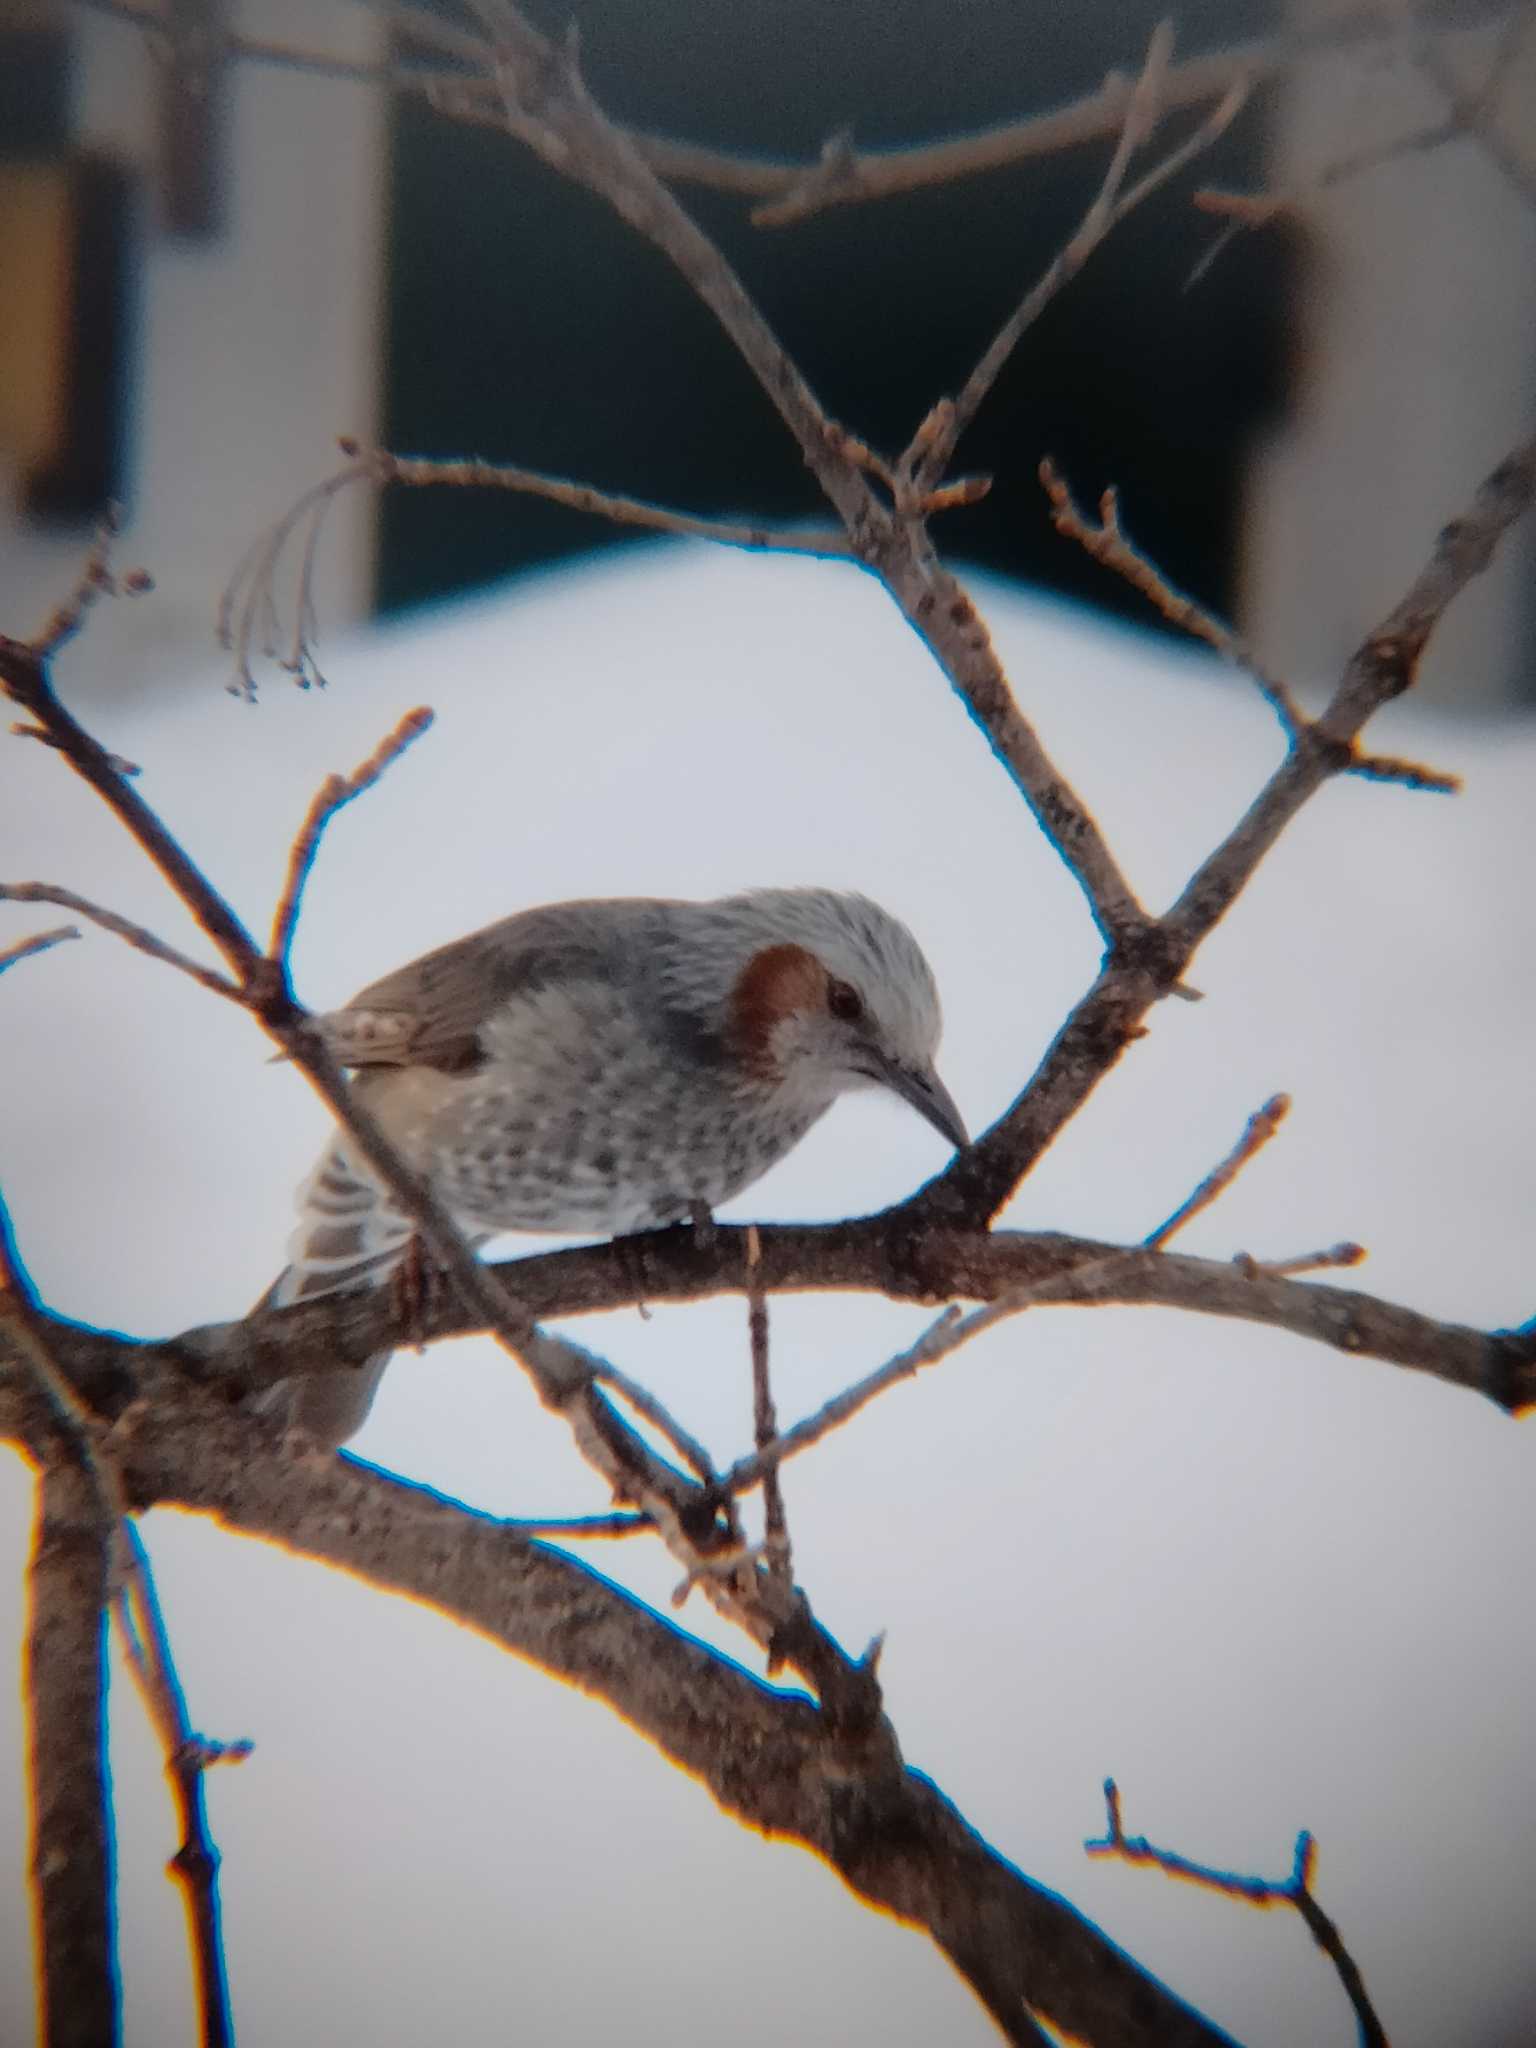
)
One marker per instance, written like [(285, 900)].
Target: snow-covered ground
[(1264, 1585)]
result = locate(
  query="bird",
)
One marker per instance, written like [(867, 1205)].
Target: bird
[(600, 1068)]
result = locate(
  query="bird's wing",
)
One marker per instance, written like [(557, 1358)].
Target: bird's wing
[(430, 1012)]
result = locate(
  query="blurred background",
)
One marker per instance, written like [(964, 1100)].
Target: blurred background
[(212, 268), (1268, 1585)]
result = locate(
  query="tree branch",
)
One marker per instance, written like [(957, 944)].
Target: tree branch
[(878, 1254), (1110, 205), (547, 107), (188, 1755), (40, 942), (471, 473), (939, 1340), (250, 598), (64, 1686), (692, 1520), (1107, 543), (1260, 1128), (336, 791), (792, 191), (770, 1758), (136, 935), (1108, 1018), (777, 1551), (1295, 1890)]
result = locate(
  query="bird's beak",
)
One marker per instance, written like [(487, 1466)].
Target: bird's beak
[(927, 1094)]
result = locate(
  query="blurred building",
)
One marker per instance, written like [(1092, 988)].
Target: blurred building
[(1415, 353), (212, 270), (191, 260)]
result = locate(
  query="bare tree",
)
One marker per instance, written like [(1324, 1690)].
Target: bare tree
[(116, 1427)]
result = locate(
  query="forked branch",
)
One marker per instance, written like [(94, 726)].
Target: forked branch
[(1295, 1890), (1112, 203)]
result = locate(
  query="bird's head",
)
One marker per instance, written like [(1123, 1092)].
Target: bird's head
[(835, 995)]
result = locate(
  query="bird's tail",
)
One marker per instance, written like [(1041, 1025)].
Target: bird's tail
[(350, 1234)]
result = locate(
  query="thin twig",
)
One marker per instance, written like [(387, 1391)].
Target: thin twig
[(1471, 115), (39, 942), (195, 1865), (333, 793), (655, 1412), (230, 44), (470, 473), (1142, 111), (1107, 543), (1261, 1127), (946, 1334), (135, 935), (792, 191), (845, 177), (22, 731), (765, 1424), (95, 581), (25, 679), (1245, 211), (1411, 774), (250, 596), (1347, 1253), (1475, 112), (1295, 1890), (1110, 205), (566, 1527)]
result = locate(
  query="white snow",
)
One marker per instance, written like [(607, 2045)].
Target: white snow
[(1264, 1585)]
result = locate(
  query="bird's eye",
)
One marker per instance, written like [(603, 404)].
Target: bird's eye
[(844, 1001)]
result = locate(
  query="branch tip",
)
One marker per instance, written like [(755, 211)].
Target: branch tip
[(1258, 1131), (40, 942)]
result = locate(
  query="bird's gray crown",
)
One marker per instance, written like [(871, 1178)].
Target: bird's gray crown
[(854, 939)]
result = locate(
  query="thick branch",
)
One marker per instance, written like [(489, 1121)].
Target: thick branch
[(72, 1885), (766, 1756), (876, 1254)]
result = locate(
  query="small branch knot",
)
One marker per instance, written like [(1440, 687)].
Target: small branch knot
[(1394, 659), (1149, 948), (266, 991)]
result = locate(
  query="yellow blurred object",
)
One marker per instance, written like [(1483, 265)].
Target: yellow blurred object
[(35, 250)]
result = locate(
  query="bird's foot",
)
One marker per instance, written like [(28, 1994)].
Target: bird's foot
[(416, 1289), (637, 1269)]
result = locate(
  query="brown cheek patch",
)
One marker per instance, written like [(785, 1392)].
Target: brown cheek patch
[(779, 982)]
